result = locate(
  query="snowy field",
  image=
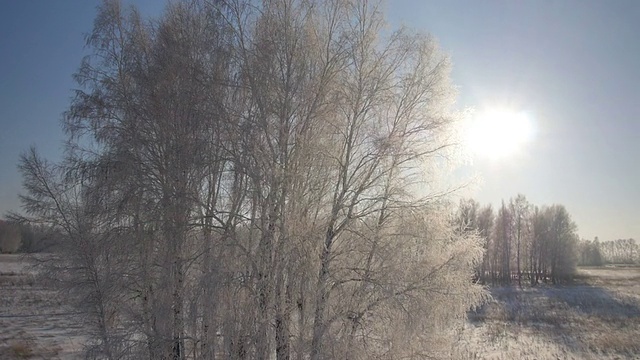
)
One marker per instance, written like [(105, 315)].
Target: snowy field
[(598, 317), (34, 323)]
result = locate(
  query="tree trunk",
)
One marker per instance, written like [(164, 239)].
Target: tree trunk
[(322, 296)]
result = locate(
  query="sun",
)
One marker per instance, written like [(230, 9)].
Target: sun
[(498, 133)]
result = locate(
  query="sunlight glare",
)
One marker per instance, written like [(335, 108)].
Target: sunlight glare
[(499, 133)]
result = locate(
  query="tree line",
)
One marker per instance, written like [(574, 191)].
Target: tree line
[(21, 237), (241, 181), (10, 237), (597, 253), (522, 241)]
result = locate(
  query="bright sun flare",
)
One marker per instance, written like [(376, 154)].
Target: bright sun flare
[(499, 133)]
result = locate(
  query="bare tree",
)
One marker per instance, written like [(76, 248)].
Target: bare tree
[(621, 251), (520, 208), (504, 239), (590, 253), (545, 241), (563, 245), (241, 181), (485, 220)]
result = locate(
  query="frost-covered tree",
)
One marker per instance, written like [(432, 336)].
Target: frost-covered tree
[(555, 241), (563, 246), (520, 208), (467, 215), (621, 251), (256, 180), (504, 234), (485, 220), (523, 241), (589, 253)]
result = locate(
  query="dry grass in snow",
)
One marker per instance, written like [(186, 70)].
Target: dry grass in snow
[(596, 317), (34, 322)]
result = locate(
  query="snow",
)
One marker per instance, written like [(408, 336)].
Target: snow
[(34, 321), (598, 317)]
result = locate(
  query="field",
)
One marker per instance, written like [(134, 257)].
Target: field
[(596, 317), (34, 322)]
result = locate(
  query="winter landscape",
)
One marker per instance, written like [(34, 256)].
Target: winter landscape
[(319, 179), (596, 317), (36, 321)]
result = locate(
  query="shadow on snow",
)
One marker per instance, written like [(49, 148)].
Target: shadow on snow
[(562, 313)]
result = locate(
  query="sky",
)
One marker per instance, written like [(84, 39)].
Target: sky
[(573, 66)]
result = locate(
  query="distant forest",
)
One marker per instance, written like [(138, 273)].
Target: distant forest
[(17, 237), (522, 242), (597, 253)]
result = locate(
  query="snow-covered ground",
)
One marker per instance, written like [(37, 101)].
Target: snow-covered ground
[(34, 322), (598, 317)]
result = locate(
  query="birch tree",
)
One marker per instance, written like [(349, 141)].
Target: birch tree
[(485, 220), (520, 209), (252, 179)]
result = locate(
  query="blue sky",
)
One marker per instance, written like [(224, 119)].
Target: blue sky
[(573, 65)]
